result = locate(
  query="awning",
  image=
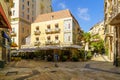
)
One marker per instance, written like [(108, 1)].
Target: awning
[(2, 14), (49, 48), (27, 50)]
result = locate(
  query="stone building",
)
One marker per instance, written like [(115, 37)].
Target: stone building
[(112, 29), (5, 28), (24, 12)]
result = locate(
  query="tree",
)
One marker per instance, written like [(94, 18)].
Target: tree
[(97, 43), (86, 37)]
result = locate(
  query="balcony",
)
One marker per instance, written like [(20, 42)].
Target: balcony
[(109, 34), (13, 34), (115, 14), (36, 43), (48, 31), (56, 30), (48, 42), (56, 42), (37, 32)]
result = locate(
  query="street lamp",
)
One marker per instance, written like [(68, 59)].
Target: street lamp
[(86, 49)]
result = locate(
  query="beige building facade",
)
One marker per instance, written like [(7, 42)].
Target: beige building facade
[(112, 21), (98, 29), (24, 13), (57, 28), (54, 33)]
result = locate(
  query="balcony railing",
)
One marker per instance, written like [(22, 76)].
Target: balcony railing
[(37, 32), (56, 42), (109, 34), (56, 30), (13, 34), (115, 11), (36, 43), (48, 31), (48, 42)]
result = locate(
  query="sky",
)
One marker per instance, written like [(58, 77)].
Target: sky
[(87, 12)]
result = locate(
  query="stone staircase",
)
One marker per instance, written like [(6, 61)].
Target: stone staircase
[(100, 58)]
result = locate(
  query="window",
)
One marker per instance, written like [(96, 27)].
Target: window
[(37, 38), (52, 17), (32, 19), (28, 17), (13, 12), (23, 41), (68, 25), (22, 14), (28, 10), (22, 30), (33, 13), (28, 3), (56, 37), (37, 28), (56, 25), (13, 29), (48, 38), (13, 40), (48, 26), (22, 0), (68, 38), (22, 7), (32, 0)]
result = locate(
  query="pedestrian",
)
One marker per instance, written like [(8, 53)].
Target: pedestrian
[(95, 54), (45, 58), (56, 59)]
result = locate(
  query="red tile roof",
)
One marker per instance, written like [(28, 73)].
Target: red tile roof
[(53, 16)]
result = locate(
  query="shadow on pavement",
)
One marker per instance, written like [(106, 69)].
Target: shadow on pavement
[(34, 72), (97, 69)]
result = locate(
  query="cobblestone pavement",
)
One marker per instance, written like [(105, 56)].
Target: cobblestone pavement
[(39, 70)]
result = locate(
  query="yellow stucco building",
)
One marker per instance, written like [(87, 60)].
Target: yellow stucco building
[(54, 32), (56, 28), (98, 29)]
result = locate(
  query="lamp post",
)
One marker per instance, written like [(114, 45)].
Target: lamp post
[(86, 50)]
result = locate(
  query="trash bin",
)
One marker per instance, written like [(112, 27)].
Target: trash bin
[(2, 64)]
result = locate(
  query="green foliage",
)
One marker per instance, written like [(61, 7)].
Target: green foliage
[(86, 36), (82, 54), (106, 51), (89, 55), (75, 55), (64, 58), (97, 45), (39, 54), (75, 58)]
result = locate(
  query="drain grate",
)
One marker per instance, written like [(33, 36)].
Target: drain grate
[(46, 67), (53, 71), (11, 73), (34, 72)]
